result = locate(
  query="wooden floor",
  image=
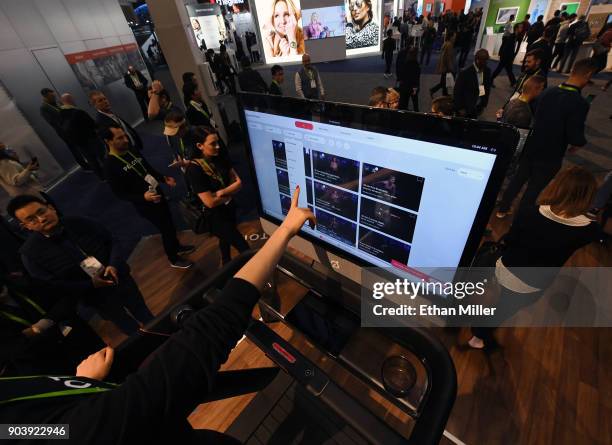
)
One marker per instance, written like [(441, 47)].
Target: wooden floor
[(545, 386)]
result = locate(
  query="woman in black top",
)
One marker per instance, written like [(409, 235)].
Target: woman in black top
[(215, 181), (545, 236), (410, 80)]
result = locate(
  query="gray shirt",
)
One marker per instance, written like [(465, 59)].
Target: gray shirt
[(518, 113)]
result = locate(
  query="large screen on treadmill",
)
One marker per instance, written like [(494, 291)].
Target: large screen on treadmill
[(381, 193)]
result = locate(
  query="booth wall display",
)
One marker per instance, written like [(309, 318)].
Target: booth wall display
[(363, 26), (280, 28), (103, 66), (207, 24), (504, 7), (323, 23)]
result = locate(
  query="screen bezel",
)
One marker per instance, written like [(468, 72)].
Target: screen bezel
[(502, 137)]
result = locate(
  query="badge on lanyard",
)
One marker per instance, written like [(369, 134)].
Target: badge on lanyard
[(481, 90), (151, 181), (91, 266)]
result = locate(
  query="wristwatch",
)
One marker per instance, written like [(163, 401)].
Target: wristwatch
[(293, 45)]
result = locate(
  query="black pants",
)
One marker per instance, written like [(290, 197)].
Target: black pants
[(94, 152), (440, 85), (76, 153), (463, 54), (223, 226), (159, 215), (537, 173), (113, 303), (505, 63), (510, 303), (406, 94), (557, 54), (388, 62), (143, 102), (569, 56), (426, 51)]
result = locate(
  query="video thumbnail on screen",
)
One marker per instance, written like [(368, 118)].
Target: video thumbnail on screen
[(309, 190), (307, 166), (285, 204), (401, 189), (336, 227), (280, 157), (336, 200), (380, 246), (385, 218), (283, 181), (335, 170)]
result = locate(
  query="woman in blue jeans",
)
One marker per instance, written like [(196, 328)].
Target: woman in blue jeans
[(543, 237)]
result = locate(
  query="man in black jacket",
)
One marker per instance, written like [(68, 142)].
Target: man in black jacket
[(138, 83), (79, 259), (535, 31), (197, 112), (278, 77), (50, 111), (249, 79), (152, 405), (558, 122), (80, 130), (133, 179), (105, 117), (473, 87)]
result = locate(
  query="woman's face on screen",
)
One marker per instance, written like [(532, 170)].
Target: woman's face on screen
[(280, 17), (359, 10)]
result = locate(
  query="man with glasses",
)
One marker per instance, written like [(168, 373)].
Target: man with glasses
[(79, 259)]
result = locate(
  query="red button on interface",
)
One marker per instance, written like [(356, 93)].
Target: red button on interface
[(304, 125)]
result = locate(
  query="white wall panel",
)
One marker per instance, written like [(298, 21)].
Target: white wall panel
[(9, 39), (81, 16), (29, 24), (58, 20), (115, 15), (102, 19)]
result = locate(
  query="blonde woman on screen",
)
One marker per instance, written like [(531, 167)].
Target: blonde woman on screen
[(283, 35)]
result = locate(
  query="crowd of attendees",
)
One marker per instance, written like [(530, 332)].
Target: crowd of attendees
[(63, 266)]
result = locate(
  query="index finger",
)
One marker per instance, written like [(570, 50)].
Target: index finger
[(296, 197), (109, 355)]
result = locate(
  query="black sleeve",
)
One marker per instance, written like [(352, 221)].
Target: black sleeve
[(575, 123), (198, 180), (164, 392), (459, 91)]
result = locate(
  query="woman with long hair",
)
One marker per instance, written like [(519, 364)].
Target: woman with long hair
[(361, 31), (539, 242), (282, 34), (212, 177)]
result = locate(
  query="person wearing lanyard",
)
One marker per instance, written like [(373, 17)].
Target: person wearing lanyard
[(78, 260), (558, 122), (36, 340), (278, 77), (105, 117), (133, 179), (213, 179), (179, 136), (473, 86), (153, 403), (197, 113)]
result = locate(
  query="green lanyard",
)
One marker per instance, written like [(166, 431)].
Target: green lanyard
[(200, 108), (569, 88), (20, 320), (50, 394), (131, 166), (182, 151), (210, 171)]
